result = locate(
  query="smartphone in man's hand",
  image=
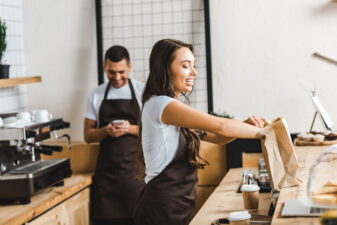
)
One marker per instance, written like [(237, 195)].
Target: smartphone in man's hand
[(118, 122)]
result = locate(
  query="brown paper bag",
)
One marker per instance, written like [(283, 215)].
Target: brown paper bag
[(279, 155)]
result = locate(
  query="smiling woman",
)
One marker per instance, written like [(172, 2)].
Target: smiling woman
[(183, 71), (169, 148)]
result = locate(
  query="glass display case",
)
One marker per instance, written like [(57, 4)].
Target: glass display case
[(322, 179)]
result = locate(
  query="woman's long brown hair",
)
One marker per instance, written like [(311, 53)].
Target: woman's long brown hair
[(160, 82)]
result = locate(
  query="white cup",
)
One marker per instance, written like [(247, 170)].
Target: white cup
[(9, 120), (41, 116), (239, 218), (25, 116)]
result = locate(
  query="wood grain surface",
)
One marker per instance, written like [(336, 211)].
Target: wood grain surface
[(48, 198), (306, 156), (11, 82), (225, 199)]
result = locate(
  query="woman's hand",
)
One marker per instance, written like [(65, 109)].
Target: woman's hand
[(256, 121)]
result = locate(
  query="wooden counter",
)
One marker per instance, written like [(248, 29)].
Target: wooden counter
[(306, 156), (47, 199), (83, 159), (225, 199), (82, 156)]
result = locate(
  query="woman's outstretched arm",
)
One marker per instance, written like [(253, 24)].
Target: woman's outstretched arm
[(179, 114)]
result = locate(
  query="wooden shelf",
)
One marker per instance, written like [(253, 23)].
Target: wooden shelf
[(11, 82)]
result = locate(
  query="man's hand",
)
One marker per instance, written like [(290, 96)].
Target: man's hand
[(256, 121), (117, 130)]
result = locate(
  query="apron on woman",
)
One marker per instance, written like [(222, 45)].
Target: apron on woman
[(116, 191), (169, 198)]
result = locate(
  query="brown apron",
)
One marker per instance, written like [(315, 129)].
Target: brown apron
[(169, 198), (115, 191)]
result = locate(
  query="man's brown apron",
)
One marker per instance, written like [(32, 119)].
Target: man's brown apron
[(115, 191), (169, 198)]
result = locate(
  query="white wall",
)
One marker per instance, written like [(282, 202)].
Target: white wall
[(139, 24), (60, 45), (262, 58), (13, 99)]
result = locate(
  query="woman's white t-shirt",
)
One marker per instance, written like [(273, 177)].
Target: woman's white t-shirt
[(160, 142)]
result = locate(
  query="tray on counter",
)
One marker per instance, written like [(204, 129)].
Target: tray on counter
[(298, 142)]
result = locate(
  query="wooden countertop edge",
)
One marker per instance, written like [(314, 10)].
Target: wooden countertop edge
[(73, 143), (77, 143), (61, 196)]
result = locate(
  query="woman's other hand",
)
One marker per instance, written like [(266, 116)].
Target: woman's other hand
[(256, 121)]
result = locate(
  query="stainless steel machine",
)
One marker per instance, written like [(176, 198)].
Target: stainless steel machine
[(22, 171)]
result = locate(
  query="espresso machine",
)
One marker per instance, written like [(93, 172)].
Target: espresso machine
[(22, 171)]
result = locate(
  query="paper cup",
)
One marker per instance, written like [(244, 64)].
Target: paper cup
[(250, 194), (239, 218)]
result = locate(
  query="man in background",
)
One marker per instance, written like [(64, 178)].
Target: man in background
[(110, 118)]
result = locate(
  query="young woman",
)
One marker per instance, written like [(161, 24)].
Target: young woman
[(168, 146)]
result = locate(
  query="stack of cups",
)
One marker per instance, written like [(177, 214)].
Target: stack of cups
[(239, 218), (250, 193)]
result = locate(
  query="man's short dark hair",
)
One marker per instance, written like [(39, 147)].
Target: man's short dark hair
[(117, 53)]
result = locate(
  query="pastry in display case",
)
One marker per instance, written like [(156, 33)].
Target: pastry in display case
[(322, 180)]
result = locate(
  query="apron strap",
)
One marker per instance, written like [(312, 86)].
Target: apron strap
[(133, 95), (132, 90), (106, 91)]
